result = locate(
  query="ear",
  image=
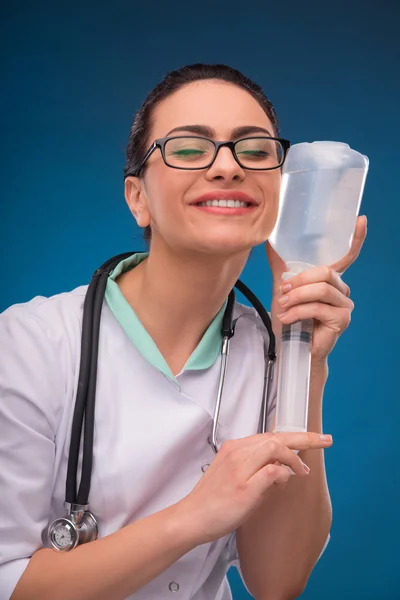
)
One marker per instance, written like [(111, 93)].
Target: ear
[(136, 199)]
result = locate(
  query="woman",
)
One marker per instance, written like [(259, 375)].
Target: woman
[(173, 516)]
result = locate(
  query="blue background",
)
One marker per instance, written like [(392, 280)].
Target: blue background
[(75, 75)]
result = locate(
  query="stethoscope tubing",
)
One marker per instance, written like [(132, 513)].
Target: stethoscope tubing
[(84, 411)]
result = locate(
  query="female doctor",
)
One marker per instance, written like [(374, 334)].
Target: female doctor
[(172, 515)]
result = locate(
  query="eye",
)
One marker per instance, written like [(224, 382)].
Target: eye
[(261, 153), (255, 149), (184, 149), (187, 152)]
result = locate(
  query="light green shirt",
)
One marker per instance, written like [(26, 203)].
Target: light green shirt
[(202, 357)]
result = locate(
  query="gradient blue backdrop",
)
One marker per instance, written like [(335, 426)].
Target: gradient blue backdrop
[(75, 75)]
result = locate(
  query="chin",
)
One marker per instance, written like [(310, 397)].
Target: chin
[(225, 246)]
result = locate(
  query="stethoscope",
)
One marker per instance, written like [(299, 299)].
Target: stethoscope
[(79, 526)]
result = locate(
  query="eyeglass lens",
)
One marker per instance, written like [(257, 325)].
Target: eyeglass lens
[(196, 152)]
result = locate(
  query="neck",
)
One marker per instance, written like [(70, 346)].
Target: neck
[(177, 295)]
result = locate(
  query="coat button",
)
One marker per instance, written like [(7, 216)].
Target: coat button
[(173, 586), (205, 467)]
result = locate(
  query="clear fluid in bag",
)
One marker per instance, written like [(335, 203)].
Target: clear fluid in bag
[(321, 191)]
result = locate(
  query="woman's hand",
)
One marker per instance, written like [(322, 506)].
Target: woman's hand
[(235, 483), (318, 293)]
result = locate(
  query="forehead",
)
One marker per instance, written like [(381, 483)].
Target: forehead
[(220, 105)]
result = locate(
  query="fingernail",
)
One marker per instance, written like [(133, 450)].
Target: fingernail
[(286, 287), (283, 299), (306, 468), (326, 438)]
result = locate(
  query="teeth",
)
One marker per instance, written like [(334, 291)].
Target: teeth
[(225, 203)]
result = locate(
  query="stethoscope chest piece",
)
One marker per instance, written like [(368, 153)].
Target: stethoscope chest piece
[(78, 527)]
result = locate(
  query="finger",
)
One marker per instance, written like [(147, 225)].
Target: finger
[(280, 464), (302, 440), (268, 453), (322, 273), (316, 292), (337, 319), (270, 474), (295, 440), (360, 234), (282, 478)]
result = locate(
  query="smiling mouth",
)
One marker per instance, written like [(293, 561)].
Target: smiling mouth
[(225, 204)]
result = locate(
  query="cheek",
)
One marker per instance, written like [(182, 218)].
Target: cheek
[(271, 193), (166, 195), (274, 206)]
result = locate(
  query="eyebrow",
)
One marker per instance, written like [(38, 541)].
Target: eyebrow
[(209, 132)]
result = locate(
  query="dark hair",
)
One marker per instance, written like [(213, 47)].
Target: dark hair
[(139, 143)]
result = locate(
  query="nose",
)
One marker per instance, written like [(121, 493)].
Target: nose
[(225, 166)]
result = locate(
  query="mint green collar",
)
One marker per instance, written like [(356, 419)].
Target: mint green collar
[(202, 357)]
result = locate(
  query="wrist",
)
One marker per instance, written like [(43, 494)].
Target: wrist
[(183, 523), (319, 367)]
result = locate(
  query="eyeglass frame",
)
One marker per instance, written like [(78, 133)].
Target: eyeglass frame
[(160, 143)]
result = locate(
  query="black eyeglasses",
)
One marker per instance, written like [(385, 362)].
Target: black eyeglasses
[(193, 153)]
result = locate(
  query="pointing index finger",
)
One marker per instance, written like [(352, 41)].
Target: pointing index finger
[(303, 440)]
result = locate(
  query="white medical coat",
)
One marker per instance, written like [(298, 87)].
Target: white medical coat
[(150, 438)]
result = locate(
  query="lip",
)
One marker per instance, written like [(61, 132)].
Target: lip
[(225, 195)]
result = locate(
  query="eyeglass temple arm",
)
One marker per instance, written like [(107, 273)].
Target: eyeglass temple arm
[(146, 156)]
